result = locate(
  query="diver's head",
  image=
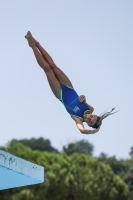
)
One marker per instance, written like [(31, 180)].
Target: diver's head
[(95, 121), (90, 119)]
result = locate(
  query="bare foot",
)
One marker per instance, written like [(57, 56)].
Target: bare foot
[(30, 39), (36, 42)]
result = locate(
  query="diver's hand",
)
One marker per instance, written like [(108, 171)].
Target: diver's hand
[(96, 130), (86, 131), (82, 98)]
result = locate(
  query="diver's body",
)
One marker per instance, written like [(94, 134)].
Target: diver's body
[(63, 89)]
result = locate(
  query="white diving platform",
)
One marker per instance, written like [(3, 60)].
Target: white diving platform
[(17, 172)]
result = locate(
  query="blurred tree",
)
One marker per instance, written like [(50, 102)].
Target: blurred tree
[(115, 164), (131, 152), (127, 175), (75, 177), (103, 156), (124, 169), (38, 144), (82, 146)]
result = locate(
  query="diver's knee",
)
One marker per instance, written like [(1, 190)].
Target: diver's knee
[(46, 67), (53, 65)]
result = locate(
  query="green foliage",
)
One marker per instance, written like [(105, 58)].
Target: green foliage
[(79, 177), (127, 175), (131, 152), (80, 147), (103, 156), (124, 169), (115, 164), (37, 144)]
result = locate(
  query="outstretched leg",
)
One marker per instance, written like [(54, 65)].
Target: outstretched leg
[(63, 79), (53, 81)]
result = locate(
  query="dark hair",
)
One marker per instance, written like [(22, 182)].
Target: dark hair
[(101, 117)]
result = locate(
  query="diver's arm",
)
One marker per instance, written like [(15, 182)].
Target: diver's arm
[(83, 130), (81, 127), (90, 107), (79, 123), (87, 131), (82, 98)]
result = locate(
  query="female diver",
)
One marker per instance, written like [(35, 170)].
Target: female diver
[(79, 110)]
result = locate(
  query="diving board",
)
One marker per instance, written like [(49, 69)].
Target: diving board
[(17, 172)]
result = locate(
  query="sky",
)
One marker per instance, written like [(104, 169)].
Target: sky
[(92, 42)]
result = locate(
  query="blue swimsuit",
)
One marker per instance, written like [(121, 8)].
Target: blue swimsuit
[(69, 98)]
